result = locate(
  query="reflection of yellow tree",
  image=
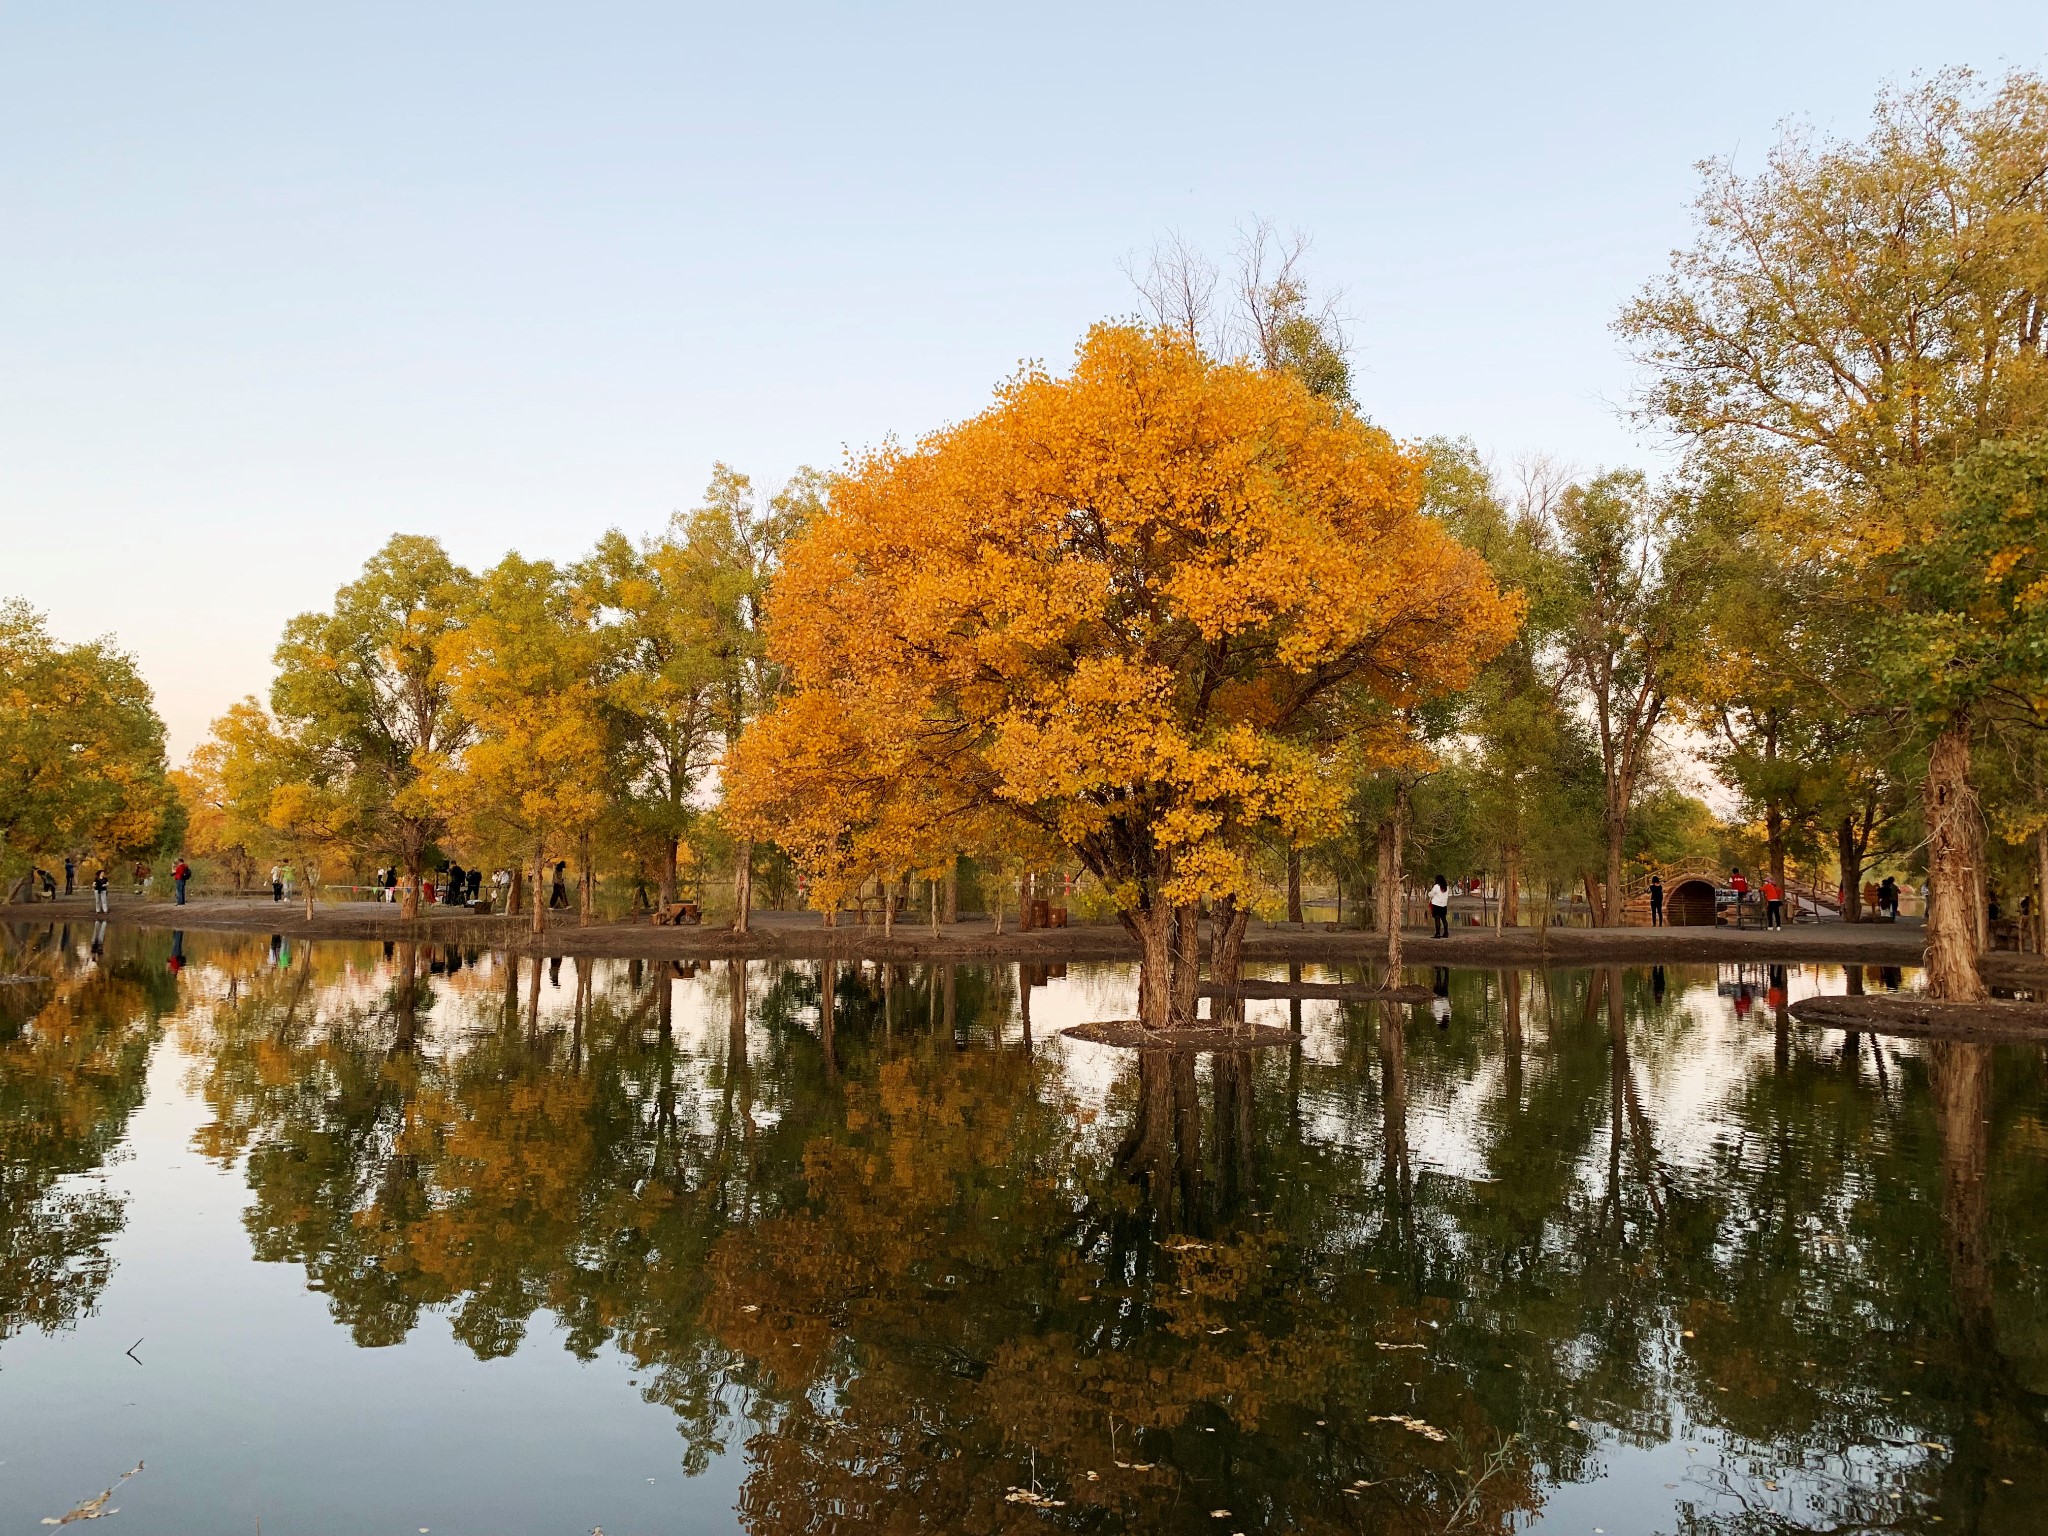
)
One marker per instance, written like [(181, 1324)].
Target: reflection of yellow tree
[(961, 1309), (70, 1076)]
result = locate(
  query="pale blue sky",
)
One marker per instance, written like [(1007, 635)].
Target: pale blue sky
[(278, 281)]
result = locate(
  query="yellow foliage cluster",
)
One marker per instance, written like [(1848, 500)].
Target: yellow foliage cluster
[(1144, 612)]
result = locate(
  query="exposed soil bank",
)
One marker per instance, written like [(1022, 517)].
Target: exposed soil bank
[(800, 935)]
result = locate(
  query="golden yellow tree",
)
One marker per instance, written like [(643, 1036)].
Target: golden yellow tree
[(524, 668), (1137, 607)]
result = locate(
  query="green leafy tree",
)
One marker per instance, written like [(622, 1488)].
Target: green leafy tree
[(363, 694)]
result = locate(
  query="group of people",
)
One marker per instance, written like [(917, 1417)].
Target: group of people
[(42, 880)]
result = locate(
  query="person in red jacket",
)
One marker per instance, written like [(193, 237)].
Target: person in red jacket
[(1774, 904), (1739, 884), (180, 873)]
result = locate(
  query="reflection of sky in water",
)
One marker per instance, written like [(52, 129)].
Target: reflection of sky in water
[(253, 1399)]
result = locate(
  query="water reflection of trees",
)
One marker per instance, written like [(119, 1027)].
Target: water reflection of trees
[(881, 1239), (74, 1056)]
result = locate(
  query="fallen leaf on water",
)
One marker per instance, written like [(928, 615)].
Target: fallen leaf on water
[(750, 1308), (1376, 1344), (1219, 1514), (94, 1508), (1427, 1430)]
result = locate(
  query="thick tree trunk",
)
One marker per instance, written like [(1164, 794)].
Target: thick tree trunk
[(1159, 950), (1511, 888), (669, 849), (515, 891), (1024, 913), (409, 888), (1294, 885), (540, 904), (953, 891), (1774, 842), (887, 888), (1610, 905), (2041, 891), (742, 885), (1955, 861), (1959, 1072), (1226, 957), (1849, 870)]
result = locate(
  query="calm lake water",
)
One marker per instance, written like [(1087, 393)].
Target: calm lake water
[(652, 1249)]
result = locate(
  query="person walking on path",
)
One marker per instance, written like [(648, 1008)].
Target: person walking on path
[(1440, 908), (180, 873), (1656, 901), (276, 883), (141, 877), (558, 894), (1739, 884), (1888, 899), (70, 873), (1774, 904), (99, 889)]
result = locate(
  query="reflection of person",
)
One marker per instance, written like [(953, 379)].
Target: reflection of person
[(1656, 901), (1440, 1003), (1440, 908)]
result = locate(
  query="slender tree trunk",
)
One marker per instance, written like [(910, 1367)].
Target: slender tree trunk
[(409, 888), (742, 885), (1294, 885), (953, 890), (1511, 888), (586, 881), (540, 904), (1595, 905), (1774, 841), (1955, 846), (1393, 880), (1024, 913), (887, 888), (515, 891), (307, 879)]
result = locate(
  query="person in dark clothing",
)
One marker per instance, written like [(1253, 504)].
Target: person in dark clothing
[(1656, 901), (1440, 908), (70, 874), (476, 886), (458, 884), (180, 873), (1888, 899), (99, 890), (558, 896)]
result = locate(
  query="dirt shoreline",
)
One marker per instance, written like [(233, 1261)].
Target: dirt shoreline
[(800, 935)]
